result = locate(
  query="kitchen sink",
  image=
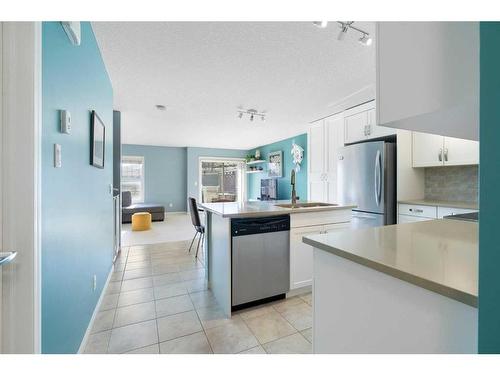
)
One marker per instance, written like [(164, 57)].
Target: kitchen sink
[(306, 205)]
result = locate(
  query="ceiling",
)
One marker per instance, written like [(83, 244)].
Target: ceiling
[(204, 71)]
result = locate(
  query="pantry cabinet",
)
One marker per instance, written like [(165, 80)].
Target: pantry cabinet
[(325, 137), (429, 150)]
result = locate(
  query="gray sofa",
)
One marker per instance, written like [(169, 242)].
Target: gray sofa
[(128, 209)]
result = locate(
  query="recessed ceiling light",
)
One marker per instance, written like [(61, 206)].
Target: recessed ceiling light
[(320, 24), (161, 107)]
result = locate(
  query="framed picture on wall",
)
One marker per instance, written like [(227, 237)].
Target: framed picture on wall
[(275, 164), (97, 141)]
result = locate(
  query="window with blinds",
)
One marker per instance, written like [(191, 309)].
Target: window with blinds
[(133, 177)]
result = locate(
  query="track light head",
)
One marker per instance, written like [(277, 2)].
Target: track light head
[(366, 40), (251, 117), (344, 27)]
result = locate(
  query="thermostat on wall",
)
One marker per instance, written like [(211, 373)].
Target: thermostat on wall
[(65, 122)]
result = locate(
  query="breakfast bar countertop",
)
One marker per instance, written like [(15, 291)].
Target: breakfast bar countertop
[(266, 208), (438, 255)]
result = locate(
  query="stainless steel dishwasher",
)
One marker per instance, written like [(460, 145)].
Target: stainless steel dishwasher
[(260, 260)]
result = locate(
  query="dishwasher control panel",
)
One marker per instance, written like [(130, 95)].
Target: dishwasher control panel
[(243, 227)]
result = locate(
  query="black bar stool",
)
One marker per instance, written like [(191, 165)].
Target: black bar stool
[(195, 218)]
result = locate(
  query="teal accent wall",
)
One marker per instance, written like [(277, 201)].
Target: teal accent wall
[(77, 207), (193, 160), (489, 188), (284, 187), (164, 174)]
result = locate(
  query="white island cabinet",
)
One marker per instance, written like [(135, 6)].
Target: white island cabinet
[(408, 288), (309, 218)]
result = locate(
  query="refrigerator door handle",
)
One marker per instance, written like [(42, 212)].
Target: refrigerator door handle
[(378, 177)]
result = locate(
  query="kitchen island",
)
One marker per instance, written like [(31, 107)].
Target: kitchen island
[(407, 288), (220, 263)]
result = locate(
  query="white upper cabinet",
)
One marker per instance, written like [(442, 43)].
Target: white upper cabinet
[(360, 124), (460, 151), (427, 150), (431, 150), (428, 77)]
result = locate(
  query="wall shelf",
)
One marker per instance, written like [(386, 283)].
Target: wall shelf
[(260, 161), (257, 171)]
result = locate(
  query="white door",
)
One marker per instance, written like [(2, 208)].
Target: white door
[(20, 126), (316, 167), (334, 129), (427, 150), (460, 151), (301, 256)]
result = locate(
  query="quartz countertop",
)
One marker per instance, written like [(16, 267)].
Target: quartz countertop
[(438, 255), (432, 202), (263, 208)]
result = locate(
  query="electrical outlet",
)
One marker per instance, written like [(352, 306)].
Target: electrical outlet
[(94, 283)]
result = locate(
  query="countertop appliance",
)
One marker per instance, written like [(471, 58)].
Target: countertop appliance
[(470, 216), (260, 260), (268, 189), (366, 176)]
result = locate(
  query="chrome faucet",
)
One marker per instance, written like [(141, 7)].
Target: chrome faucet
[(294, 193)]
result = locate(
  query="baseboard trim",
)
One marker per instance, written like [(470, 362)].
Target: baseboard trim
[(81, 349), (298, 291)]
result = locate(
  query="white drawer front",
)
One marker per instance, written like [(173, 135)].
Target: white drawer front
[(447, 211), (411, 219), (418, 210), (307, 219)]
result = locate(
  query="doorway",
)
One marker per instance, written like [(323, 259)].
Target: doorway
[(222, 180)]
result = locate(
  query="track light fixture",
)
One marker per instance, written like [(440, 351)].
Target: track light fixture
[(251, 114), (365, 39)]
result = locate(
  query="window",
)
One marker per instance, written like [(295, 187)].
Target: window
[(133, 177)]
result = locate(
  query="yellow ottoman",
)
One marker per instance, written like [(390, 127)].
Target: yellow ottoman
[(141, 221)]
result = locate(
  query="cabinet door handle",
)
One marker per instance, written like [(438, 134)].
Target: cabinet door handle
[(440, 156), (445, 154), (369, 129)]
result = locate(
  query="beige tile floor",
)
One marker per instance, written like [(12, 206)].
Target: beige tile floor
[(157, 302)]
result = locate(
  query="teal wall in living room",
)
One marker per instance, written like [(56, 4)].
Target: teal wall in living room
[(77, 207), (489, 186), (284, 187), (164, 174)]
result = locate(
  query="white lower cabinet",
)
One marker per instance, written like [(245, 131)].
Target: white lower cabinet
[(409, 213), (301, 255)]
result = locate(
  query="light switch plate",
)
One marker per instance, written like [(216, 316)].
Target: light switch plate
[(65, 122), (57, 156)]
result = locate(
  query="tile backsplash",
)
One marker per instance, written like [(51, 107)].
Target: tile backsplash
[(452, 183)]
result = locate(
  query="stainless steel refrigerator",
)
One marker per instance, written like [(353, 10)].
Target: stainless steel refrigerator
[(366, 176)]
